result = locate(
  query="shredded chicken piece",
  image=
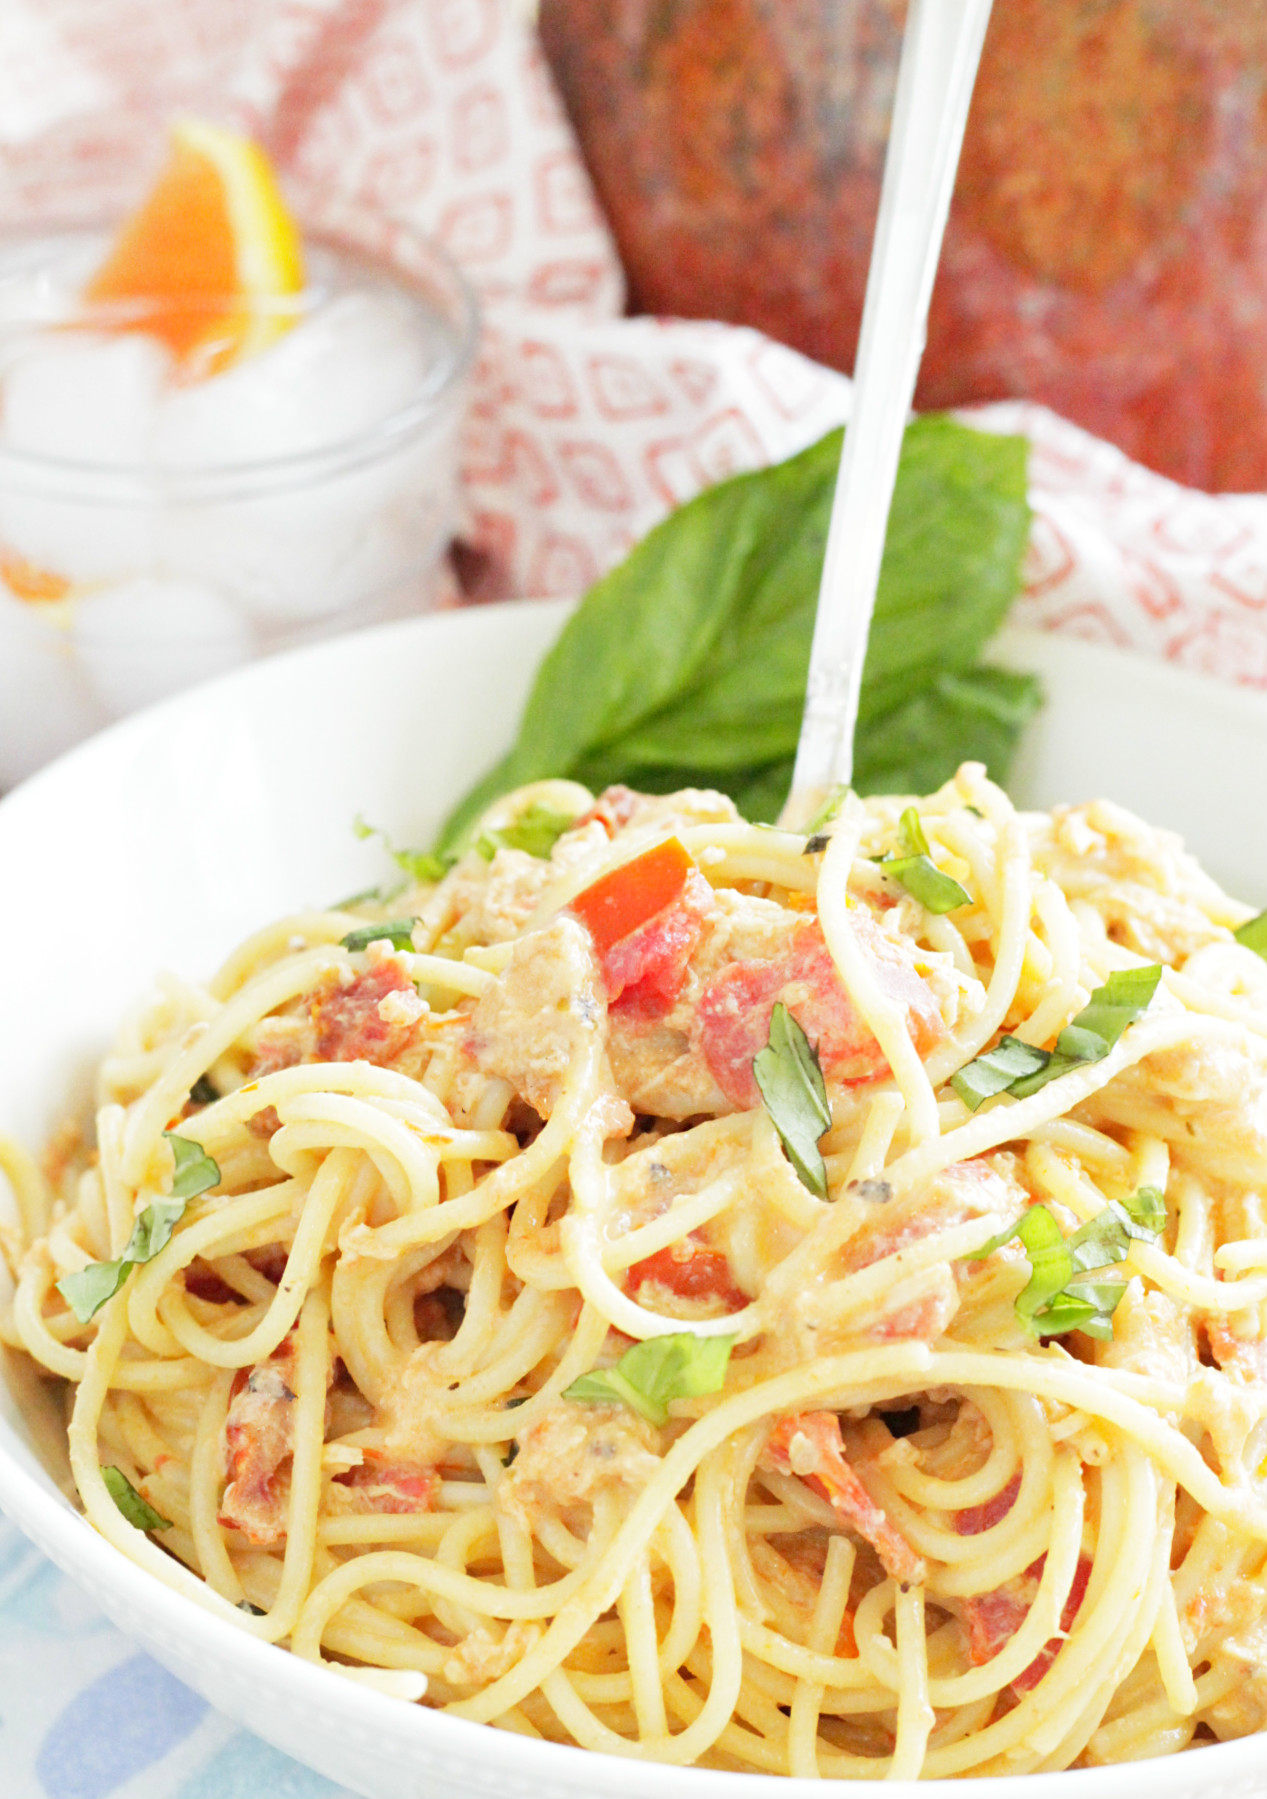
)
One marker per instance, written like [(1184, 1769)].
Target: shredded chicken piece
[(573, 1453), (533, 1022), (483, 1656), (1150, 894)]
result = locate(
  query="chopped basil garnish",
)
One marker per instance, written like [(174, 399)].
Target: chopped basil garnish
[(791, 1081), (194, 1172), (423, 865), (202, 1093), (1100, 1242), (1253, 934), (911, 831), (1145, 1213), (827, 812), (994, 1072), (537, 829), (255, 1611), (1124, 997), (154, 1226), (377, 895), (1082, 1306), (1058, 1296), (679, 1366), (924, 881), (136, 1510), (919, 874), (399, 932), (419, 865), (88, 1290)]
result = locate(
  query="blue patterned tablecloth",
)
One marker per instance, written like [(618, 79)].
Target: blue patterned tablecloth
[(85, 1715)]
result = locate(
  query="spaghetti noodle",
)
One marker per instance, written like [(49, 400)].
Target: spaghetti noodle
[(701, 1292)]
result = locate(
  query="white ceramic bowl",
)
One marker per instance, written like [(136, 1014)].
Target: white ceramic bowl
[(169, 837)]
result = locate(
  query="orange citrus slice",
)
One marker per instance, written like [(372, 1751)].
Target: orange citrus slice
[(27, 582), (204, 261)]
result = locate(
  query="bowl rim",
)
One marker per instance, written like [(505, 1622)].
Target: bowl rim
[(429, 272), (65, 1535)]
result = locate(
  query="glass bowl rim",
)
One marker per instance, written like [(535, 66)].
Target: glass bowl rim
[(148, 483)]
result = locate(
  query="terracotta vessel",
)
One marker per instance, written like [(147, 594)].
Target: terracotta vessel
[(1107, 249)]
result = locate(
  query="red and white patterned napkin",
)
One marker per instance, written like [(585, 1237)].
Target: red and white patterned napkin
[(586, 426)]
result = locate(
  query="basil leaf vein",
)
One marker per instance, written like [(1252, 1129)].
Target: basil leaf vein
[(647, 1377), (790, 1078), (1060, 1295)]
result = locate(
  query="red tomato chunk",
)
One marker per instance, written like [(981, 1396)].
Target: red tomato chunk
[(646, 918), (734, 1011), (809, 1444), (691, 1270)]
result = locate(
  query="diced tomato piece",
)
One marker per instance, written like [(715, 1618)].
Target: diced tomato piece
[(809, 1444), (381, 1485), (270, 1260), (275, 1053), (691, 1270), (350, 1026), (259, 1438), (204, 1283), (619, 902), (644, 973), (963, 1190), (993, 1619), (733, 1017), (1243, 1357), (973, 1519), (646, 918), (1031, 1676), (613, 809), (922, 1321)]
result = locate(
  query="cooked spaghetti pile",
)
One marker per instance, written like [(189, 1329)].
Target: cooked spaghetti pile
[(703, 1292)]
